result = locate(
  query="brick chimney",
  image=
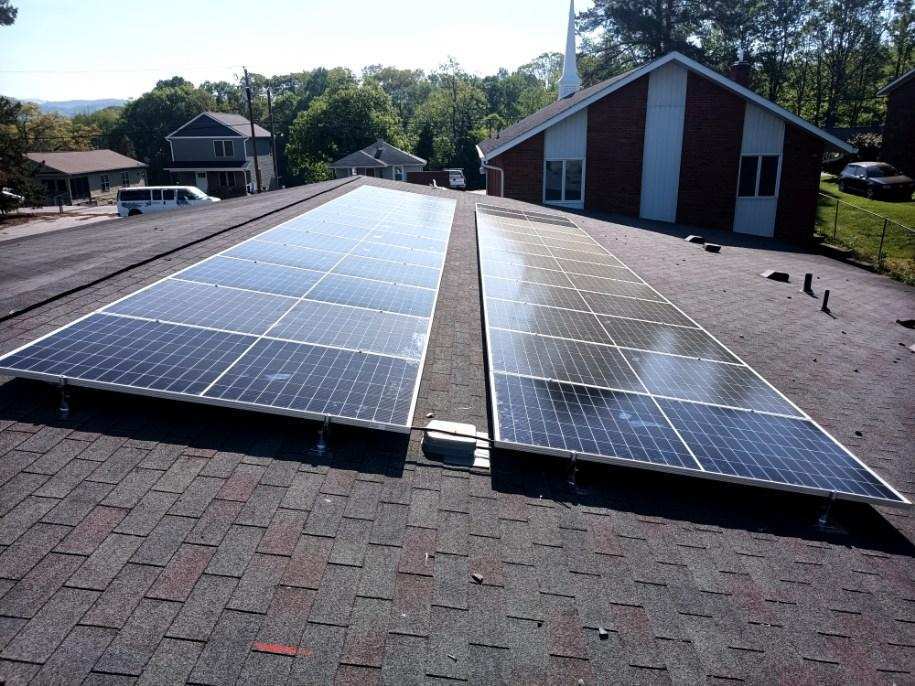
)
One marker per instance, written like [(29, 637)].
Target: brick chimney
[(741, 71)]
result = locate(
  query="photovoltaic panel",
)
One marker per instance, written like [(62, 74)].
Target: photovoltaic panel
[(605, 368), (289, 321)]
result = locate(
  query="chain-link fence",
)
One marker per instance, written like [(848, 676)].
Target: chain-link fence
[(886, 244)]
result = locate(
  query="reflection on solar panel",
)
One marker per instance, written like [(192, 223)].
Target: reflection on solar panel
[(325, 315), (588, 361)]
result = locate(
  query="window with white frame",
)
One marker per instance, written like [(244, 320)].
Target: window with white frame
[(106, 183), (758, 176), (562, 180), (224, 148), (125, 178)]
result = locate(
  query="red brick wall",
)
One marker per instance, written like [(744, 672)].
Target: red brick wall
[(616, 133), (802, 159), (899, 131), (522, 166), (712, 133)]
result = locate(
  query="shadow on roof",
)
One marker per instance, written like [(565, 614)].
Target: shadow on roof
[(202, 429), (682, 501)]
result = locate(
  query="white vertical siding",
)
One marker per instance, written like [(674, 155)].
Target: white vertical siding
[(763, 134), (663, 142), (568, 139)]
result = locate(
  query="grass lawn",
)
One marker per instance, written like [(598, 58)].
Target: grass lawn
[(859, 229)]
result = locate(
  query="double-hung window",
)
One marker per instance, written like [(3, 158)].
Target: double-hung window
[(563, 180), (106, 183), (758, 176), (125, 179), (224, 149)]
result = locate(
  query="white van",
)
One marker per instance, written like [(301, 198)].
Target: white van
[(133, 201)]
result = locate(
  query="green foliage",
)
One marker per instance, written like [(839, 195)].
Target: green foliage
[(146, 121), (7, 13), (16, 171), (869, 145), (342, 120)]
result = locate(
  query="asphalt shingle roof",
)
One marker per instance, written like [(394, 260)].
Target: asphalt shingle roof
[(378, 154), (84, 161), (145, 538)]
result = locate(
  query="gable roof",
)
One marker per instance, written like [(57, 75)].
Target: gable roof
[(896, 83), (559, 110), (215, 124), (84, 161), (378, 154)]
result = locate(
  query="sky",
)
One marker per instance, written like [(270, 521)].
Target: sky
[(91, 49)]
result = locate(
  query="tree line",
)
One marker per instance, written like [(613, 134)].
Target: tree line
[(822, 59)]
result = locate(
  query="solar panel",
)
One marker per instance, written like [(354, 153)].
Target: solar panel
[(325, 315), (586, 360)]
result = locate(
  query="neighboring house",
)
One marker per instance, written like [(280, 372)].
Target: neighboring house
[(86, 175), (672, 141), (899, 130), (379, 159), (215, 152)]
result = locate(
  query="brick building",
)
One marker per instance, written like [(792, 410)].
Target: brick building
[(899, 130), (671, 141)]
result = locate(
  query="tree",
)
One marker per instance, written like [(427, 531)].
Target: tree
[(407, 87), (47, 131), (450, 122), (341, 121), (7, 13), (640, 31), (16, 171), (147, 120)]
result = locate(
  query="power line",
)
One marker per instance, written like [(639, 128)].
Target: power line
[(183, 68)]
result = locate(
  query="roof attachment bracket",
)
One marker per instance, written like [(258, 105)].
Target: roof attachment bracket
[(63, 408), (573, 471)]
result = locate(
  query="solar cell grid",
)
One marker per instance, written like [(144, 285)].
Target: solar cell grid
[(320, 381), (630, 377), (249, 327), (561, 360), (305, 239), (394, 253), (256, 276), (285, 254), (520, 291), (416, 242), (384, 270), (547, 321), (214, 307), (354, 328), (133, 352), (375, 295), (519, 272)]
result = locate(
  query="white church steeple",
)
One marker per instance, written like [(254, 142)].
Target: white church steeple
[(570, 81)]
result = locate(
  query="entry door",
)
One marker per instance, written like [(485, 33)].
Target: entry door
[(201, 181)]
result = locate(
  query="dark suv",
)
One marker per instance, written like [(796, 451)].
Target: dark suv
[(875, 180)]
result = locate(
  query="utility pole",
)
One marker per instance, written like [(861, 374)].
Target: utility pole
[(276, 168), (257, 169)]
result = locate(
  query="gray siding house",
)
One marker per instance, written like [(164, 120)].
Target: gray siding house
[(380, 159), (85, 176), (215, 152)]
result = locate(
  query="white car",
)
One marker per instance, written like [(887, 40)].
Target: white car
[(456, 179), (134, 201)]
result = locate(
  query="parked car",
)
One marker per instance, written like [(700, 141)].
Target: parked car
[(134, 201), (10, 200), (456, 179), (875, 180)]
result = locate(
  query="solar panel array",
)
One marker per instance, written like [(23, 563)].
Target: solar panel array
[(587, 360), (325, 315)]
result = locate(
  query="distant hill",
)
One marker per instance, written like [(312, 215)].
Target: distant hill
[(69, 108)]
